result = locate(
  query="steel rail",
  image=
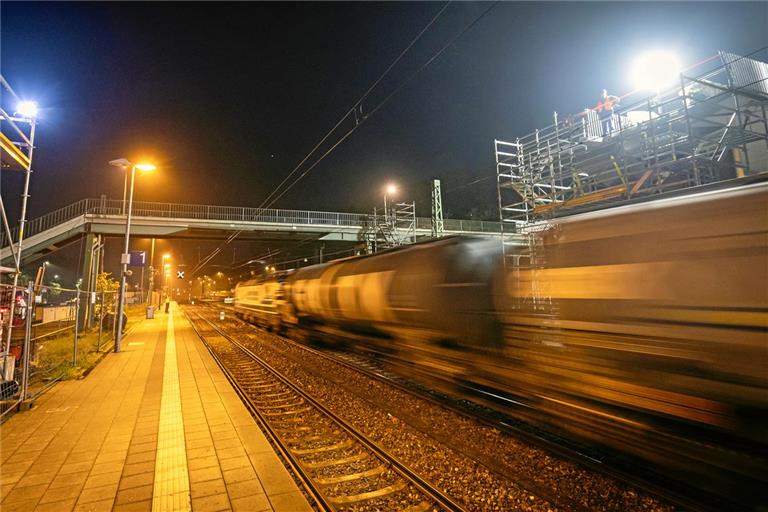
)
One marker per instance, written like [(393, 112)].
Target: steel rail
[(284, 451), (400, 468), (541, 441), (570, 454), (526, 484)]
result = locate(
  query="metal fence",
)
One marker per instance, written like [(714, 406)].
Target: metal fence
[(234, 214), (56, 333)]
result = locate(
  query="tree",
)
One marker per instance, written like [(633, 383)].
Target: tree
[(104, 283), (54, 289)]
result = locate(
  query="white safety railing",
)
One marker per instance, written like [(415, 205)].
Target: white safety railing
[(234, 214)]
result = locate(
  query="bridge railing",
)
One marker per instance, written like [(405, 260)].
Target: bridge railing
[(234, 214)]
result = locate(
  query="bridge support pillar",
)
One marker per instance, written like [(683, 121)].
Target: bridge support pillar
[(91, 254)]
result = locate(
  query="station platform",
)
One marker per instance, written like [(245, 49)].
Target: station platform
[(155, 427)]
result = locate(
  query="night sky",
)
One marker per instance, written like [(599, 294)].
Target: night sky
[(228, 97)]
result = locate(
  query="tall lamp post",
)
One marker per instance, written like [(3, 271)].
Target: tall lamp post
[(163, 266), (389, 190), (125, 258), (166, 277)]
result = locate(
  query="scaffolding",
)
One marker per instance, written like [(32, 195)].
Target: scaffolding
[(395, 228), (710, 127), (438, 226), (17, 144)]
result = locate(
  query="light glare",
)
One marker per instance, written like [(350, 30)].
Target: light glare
[(391, 189), (145, 167), (27, 109), (655, 70)]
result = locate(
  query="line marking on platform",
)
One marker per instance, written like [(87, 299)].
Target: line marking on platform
[(171, 490)]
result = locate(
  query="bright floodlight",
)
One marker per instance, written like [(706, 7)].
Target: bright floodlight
[(391, 189), (145, 167), (27, 109), (656, 70)]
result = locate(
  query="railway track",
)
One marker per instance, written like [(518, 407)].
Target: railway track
[(562, 448), (339, 467)]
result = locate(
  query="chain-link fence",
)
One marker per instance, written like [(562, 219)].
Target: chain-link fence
[(55, 333)]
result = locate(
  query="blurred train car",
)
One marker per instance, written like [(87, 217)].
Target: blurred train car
[(437, 291), (645, 327)]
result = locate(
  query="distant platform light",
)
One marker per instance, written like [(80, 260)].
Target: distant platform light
[(27, 109), (655, 71)]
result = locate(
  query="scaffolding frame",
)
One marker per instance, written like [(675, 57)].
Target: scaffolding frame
[(710, 127), (17, 145), (395, 228), (438, 226)]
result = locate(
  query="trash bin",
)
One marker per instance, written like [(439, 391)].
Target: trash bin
[(221, 315), (150, 312)]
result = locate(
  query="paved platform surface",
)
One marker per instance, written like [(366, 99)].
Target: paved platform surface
[(155, 427)]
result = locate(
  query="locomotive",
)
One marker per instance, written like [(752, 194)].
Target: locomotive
[(642, 328)]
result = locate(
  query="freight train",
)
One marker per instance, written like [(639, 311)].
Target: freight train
[(642, 328)]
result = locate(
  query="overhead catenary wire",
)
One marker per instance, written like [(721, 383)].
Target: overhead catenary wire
[(390, 96), (272, 198), (357, 104)]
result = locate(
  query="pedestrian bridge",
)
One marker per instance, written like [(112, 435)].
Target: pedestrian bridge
[(173, 220)]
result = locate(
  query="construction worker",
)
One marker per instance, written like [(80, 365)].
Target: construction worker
[(604, 109)]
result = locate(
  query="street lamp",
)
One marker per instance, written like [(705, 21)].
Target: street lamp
[(125, 164), (125, 258)]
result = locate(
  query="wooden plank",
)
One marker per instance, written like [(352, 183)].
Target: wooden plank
[(639, 183), (593, 197)]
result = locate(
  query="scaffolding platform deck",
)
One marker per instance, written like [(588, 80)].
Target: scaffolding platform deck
[(710, 127)]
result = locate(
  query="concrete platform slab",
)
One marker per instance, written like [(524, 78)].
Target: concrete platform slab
[(155, 427)]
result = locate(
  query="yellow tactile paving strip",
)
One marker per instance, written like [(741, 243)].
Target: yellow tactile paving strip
[(171, 489), (90, 445)]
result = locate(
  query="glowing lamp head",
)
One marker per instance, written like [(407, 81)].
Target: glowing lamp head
[(655, 71), (391, 189), (27, 109), (146, 167)]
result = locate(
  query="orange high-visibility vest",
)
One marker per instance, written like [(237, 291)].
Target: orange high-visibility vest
[(607, 104)]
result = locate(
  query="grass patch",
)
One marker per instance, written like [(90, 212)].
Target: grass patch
[(55, 355)]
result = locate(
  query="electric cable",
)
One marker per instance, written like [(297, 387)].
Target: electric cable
[(272, 198)]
